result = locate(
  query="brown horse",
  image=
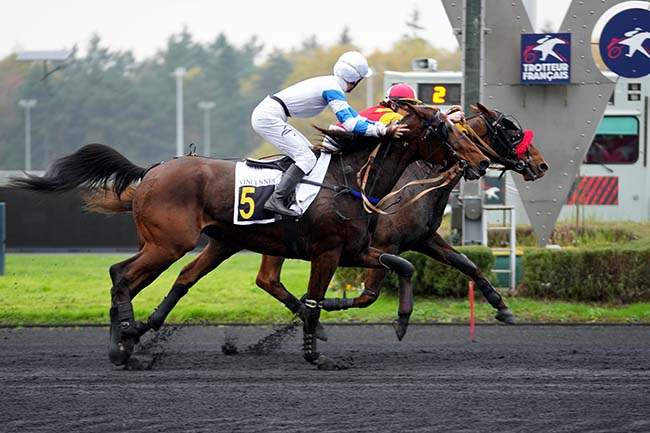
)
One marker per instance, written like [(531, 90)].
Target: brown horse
[(177, 201), (415, 228)]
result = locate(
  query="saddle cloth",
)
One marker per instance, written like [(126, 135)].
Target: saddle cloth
[(253, 186)]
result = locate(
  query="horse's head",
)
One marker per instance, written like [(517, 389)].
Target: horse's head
[(436, 138), (512, 145)]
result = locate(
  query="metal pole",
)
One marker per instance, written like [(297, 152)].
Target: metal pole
[(471, 191), (472, 40), (28, 104), (206, 106), (179, 73)]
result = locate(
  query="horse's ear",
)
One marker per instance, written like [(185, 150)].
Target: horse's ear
[(409, 107), (483, 108), (474, 108)]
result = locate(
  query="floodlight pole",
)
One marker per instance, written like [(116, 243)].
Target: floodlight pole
[(28, 104), (179, 73), (206, 106)]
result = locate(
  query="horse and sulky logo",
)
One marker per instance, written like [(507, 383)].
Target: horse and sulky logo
[(625, 43), (545, 58)]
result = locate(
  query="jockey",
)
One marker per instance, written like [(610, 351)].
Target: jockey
[(307, 99), (391, 109)]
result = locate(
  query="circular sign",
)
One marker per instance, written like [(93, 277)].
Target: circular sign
[(625, 43)]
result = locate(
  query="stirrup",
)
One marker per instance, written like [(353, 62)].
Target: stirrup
[(271, 206)]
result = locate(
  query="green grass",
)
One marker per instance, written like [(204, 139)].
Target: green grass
[(75, 289)]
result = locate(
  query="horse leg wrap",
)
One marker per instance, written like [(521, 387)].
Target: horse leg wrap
[(293, 304), (157, 318), (309, 346), (503, 314), (335, 304), (466, 266), (299, 308), (490, 293), (125, 333), (129, 328), (312, 314), (462, 263), (402, 267)]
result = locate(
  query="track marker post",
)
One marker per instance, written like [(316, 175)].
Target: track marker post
[(471, 311)]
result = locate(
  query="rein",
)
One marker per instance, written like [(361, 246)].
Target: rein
[(440, 181)]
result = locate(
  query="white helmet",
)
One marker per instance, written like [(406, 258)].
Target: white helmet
[(352, 67)]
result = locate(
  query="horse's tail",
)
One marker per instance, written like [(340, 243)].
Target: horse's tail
[(107, 201), (94, 166)]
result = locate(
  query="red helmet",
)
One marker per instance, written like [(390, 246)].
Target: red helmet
[(402, 92)]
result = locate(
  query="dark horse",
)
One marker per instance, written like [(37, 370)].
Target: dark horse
[(177, 201), (415, 228)]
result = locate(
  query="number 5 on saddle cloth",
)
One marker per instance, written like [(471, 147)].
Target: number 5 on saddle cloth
[(254, 184)]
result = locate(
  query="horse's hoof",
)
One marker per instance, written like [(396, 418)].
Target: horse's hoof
[(312, 357), (320, 332), (118, 354), (325, 363), (505, 315), (400, 329)]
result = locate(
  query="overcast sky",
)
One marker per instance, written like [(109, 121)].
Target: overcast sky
[(143, 26)]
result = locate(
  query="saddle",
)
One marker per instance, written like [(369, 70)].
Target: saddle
[(282, 163)]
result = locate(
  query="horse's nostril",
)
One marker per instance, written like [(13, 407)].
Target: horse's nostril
[(484, 164), (543, 166)]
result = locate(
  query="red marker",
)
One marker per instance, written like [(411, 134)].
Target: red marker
[(471, 311)]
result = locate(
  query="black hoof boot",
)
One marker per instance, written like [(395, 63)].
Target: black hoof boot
[(300, 310), (505, 315), (125, 333), (400, 325), (119, 351), (309, 349), (320, 333)]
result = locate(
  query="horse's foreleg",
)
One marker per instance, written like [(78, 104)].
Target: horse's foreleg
[(379, 263), (438, 249), (322, 270), (268, 279), (211, 257)]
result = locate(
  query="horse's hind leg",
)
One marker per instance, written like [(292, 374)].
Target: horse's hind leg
[(438, 249), (211, 257), (322, 270), (129, 277), (268, 279)]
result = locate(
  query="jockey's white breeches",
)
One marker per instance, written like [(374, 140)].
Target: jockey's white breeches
[(270, 122)]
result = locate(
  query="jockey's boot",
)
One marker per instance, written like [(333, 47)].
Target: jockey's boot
[(277, 203)]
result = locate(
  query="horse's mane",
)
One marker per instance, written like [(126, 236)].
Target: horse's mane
[(349, 142)]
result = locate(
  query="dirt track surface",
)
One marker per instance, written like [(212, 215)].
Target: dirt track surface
[(512, 379)]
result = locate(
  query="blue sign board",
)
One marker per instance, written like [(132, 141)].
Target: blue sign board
[(625, 43), (545, 58)]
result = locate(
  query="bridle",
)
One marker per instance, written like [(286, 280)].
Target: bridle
[(441, 131), (505, 145)]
